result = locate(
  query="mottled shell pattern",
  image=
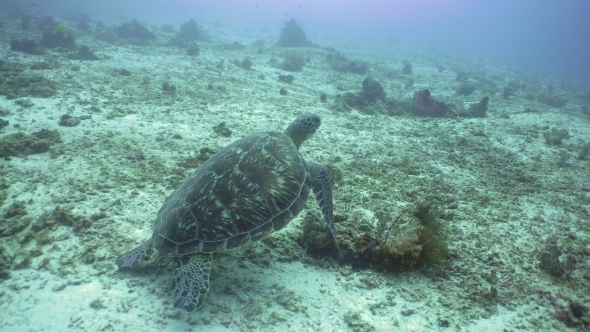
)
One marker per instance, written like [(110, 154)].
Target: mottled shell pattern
[(244, 192)]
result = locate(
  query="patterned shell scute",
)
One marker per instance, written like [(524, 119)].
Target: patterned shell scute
[(244, 192)]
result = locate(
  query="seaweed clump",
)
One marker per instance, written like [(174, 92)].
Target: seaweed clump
[(552, 260), (286, 78), (61, 28), (22, 145), (423, 246), (575, 314), (67, 120), (13, 84), (84, 53), (425, 105), (420, 241), (191, 30), (476, 110), (292, 35), (46, 23), (221, 129), (372, 90), (58, 38), (13, 220), (556, 136), (66, 217), (371, 99), (340, 63), (25, 45)]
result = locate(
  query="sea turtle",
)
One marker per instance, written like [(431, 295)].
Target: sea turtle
[(244, 192)]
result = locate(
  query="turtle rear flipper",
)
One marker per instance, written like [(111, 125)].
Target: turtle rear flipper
[(322, 188), (133, 257), (190, 283)]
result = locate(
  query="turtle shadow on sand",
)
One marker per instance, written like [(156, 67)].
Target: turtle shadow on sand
[(244, 192)]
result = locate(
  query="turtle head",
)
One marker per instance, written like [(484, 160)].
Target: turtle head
[(302, 128)]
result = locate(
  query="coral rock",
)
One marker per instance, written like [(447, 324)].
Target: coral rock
[(292, 35), (372, 90), (425, 105)]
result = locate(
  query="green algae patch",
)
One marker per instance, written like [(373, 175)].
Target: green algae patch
[(22, 145), (15, 84)]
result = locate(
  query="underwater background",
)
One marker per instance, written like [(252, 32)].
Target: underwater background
[(456, 135)]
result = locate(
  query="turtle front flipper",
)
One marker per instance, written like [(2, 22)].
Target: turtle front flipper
[(190, 282), (133, 257), (322, 188)]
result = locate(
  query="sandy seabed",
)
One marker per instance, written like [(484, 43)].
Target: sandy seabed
[(509, 197)]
